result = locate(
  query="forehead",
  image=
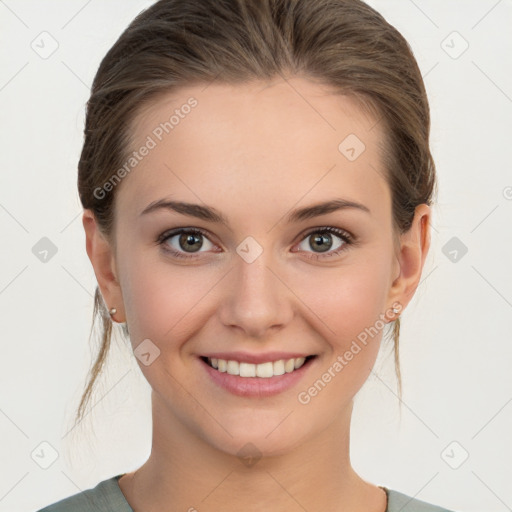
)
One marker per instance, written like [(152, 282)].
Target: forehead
[(275, 143)]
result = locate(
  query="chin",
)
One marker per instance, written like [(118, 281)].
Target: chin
[(250, 449), (255, 437)]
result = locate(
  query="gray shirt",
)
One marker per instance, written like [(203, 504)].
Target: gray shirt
[(107, 497)]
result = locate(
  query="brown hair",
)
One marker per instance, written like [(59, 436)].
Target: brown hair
[(341, 43)]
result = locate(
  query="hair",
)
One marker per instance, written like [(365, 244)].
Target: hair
[(345, 44)]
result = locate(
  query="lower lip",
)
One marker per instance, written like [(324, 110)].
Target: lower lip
[(256, 386)]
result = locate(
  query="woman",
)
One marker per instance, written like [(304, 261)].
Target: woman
[(256, 181)]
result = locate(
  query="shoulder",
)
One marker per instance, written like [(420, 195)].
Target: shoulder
[(105, 497), (398, 502)]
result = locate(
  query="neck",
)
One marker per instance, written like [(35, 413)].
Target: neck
[(186, 473)]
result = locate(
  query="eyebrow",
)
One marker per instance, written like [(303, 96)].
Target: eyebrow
[(212, 215)]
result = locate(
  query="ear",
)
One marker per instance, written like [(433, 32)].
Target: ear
[(102, 256), (413, 249)]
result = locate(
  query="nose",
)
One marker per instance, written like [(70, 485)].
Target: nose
[(257, 299)]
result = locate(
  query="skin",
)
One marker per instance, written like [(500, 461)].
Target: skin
[(255, 152)]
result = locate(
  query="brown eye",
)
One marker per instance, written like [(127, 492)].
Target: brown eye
[(327, 240), (190, 242), (321, 241), (179, 242)]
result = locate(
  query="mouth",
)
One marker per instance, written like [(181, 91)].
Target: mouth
[(256, 376), (264, 370)]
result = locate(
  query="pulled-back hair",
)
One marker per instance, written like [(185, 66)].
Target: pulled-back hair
[(344, 44)]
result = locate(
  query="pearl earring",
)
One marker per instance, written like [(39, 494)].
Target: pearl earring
[(112, 312)]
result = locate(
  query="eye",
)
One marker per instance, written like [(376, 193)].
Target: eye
[(321, 239), (185, 242)]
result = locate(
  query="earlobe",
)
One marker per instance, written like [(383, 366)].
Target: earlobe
[(414, 247), (101, 255)]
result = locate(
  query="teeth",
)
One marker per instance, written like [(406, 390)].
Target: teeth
[(233, 368), (279, 367), (247, 370), (289, 366), (299, 362), (263, 370)]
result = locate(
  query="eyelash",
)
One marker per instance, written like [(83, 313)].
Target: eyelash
[(346, 237)]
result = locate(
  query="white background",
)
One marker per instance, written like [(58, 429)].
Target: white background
[(456, 349)]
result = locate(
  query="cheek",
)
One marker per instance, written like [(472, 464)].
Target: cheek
[(160, 297), (350, 298), (348, 305)]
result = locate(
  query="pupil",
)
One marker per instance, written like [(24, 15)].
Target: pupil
[(322, 238), (187, 241)]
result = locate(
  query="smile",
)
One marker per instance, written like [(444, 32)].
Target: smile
[(259, 379), (263, 370)]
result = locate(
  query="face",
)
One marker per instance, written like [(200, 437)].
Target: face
[(274, 279)]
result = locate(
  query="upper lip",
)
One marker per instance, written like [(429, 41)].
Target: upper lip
[(247, 357)]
